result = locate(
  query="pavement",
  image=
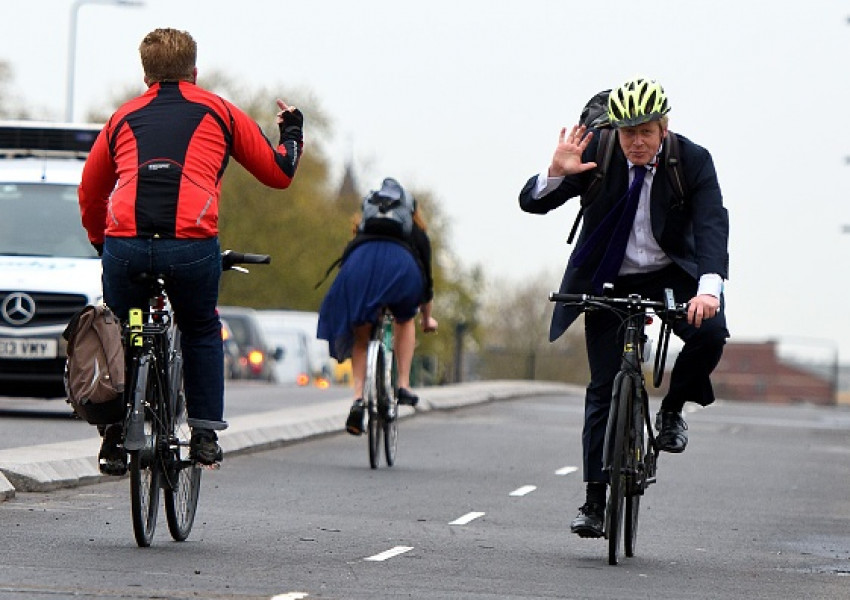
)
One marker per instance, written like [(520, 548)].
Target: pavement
[(65, 464)]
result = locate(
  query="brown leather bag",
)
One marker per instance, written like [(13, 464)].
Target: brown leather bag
[(94, 370)]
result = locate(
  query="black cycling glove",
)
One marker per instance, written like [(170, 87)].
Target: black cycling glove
[(291, 126)]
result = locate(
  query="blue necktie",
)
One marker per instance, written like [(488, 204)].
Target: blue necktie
[(613, 230)]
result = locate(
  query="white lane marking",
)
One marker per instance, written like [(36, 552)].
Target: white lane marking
[(390, 553), (566, 470), (467, 518), (291, 596), (526, 489)]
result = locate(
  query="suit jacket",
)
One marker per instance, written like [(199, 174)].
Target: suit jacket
[(694, 235)]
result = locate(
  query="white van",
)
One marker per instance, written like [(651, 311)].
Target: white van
[(48, 269), (319, 360)]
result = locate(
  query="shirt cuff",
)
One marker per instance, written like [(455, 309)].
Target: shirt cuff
[(710, 283), (545, 184)]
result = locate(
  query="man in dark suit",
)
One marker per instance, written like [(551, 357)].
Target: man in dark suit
[(664, 243)]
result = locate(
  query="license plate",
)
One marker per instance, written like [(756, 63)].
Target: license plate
[(23, 348)]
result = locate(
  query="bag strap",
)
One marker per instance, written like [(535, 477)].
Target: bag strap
[(671, 156), (604, 152)]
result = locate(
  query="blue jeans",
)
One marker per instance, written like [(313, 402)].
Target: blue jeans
[(192, 271)]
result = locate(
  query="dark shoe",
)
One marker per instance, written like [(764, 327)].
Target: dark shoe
[(354, 423), (405, 396), (590, 521), (671, 427), (112, 458), (204, 448)]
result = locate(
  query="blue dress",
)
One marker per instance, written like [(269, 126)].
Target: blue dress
[(377, 273)]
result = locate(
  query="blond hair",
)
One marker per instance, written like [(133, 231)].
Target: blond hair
[(168, 55)]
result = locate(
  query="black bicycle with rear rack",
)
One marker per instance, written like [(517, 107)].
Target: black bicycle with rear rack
[(630, 453), (156, 430)]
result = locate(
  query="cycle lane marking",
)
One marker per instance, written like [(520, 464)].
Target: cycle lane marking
[(522, 491), (387, 554), (467, 518), (566, 470)]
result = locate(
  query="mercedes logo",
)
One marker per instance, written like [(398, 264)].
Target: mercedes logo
[(18, 308)]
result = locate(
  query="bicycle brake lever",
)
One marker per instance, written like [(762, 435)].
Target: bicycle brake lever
[(240, 269)]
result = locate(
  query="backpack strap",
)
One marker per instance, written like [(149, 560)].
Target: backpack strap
[(604, 151), (671, 155)]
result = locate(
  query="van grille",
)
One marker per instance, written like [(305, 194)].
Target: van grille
[(50, 309)]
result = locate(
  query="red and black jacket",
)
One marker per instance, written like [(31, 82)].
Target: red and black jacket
[(155, 169)]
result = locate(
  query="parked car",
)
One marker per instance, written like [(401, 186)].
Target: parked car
[(233, 369), (256, 355), (48, 269)]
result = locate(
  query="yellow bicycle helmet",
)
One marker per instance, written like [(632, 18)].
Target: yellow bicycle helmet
[(637, 101)]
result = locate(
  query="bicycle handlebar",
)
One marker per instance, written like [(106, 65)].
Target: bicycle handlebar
[(669, 306), (230, 258)]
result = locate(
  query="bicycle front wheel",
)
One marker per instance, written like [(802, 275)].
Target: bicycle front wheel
[(183, 484), (637, 459), (618, 449), (145, 472)]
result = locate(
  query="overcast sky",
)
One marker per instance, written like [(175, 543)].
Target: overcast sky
[(465, 98)]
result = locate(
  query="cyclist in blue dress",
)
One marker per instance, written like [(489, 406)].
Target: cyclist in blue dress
[(379, 271)]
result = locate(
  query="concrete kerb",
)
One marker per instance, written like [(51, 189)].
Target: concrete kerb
[(68, 464)]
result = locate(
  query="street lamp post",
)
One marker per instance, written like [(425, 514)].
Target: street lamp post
[(72, 47)]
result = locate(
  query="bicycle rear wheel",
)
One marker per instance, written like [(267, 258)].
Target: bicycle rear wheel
[(618, 449), (371, 385), (637, 459), (145, 472), (183, 484), (390, 400)]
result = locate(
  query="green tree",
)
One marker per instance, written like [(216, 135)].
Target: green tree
[(516, 342)]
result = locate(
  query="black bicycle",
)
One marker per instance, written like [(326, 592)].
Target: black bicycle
[(156, 426), (379, 392), (630, 454)]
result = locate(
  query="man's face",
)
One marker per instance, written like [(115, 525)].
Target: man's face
[(640, 143)]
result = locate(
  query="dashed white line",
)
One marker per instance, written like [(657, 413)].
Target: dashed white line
[(566, 470), (522, 491), (390, 553), (471, 516), (291, 596)]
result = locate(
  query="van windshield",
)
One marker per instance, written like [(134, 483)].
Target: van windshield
[(42, 220)]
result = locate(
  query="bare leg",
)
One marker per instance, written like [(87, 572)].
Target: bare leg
[(404, 336), (362, 334)]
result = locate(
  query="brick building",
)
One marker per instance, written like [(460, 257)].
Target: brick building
[(753, 372)]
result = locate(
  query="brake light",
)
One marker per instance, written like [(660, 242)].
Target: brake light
[(302, 379), (322, 383), (255, 358)]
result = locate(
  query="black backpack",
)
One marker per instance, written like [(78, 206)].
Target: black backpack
[(388, 211), (595, 115)]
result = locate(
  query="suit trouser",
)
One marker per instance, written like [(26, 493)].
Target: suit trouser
[(689, 380)]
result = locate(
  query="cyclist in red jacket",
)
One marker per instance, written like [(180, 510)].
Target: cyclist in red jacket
[(149, 200)]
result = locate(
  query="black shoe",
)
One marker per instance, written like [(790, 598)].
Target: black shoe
[(590, 521), (112, 458), (405, 396), (204, 448), (671, 427), (354, 423)]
